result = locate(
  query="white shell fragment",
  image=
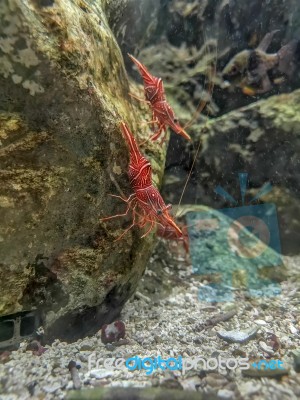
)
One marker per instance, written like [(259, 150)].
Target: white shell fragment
[(237, 336), (260, 322), (266, 348), (293, 329), (101, 373)]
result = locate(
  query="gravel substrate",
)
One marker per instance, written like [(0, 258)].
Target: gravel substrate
[(166, 318)]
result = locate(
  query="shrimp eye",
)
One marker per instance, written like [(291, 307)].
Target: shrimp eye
[(175, 120), (159, 212), (234, 69)]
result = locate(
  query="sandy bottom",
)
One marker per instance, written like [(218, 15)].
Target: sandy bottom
[(165, 318)]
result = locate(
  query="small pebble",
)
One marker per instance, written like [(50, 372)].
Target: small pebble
[(249, 388), (266, 348), (110, 347), (101, 373), (215, 380), (296, 355), (293, 329), (260, 322), (225, 394), (273, 342), (4, 356), (86, 347), (51, 388), (36, 348), (70, 385)]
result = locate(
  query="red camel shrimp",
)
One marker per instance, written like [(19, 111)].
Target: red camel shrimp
[(162, 113), (145, 202)]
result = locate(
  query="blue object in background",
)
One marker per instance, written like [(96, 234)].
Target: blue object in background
[(235, 244)]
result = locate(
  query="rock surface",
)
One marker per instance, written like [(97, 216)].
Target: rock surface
[(261, 139), (64, 91)]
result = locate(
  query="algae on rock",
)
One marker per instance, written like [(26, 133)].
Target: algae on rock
[(262, 139), (64, 91)]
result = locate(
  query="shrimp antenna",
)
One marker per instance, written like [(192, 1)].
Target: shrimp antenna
[(200, 107), (202, 102)]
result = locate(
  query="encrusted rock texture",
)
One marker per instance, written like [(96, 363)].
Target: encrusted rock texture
[(64, 91), (261, 139)]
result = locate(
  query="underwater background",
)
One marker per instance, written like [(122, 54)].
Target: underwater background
[(122, 108)]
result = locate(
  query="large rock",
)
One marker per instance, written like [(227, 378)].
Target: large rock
[(64, 90), (261, 139)]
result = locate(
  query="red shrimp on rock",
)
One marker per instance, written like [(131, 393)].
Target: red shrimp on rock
[(162, 113), (146, 203)]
